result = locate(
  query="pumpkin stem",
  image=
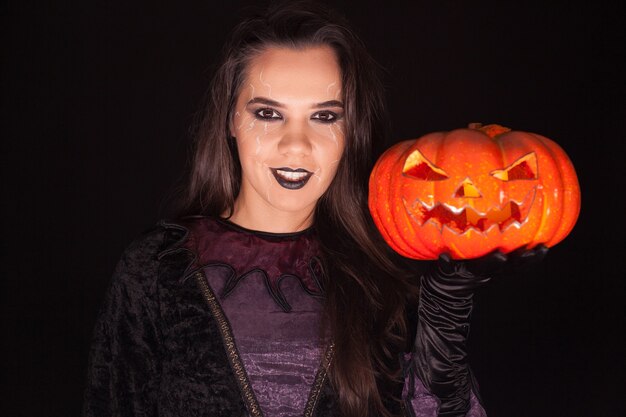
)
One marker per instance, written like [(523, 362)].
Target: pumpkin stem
[(491, 130)]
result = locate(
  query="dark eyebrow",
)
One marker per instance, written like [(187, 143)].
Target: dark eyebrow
[(330, 103), (266, 101), (274, 103)]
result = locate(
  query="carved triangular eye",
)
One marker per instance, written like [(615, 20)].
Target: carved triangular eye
[(525, 168), (418, 167)]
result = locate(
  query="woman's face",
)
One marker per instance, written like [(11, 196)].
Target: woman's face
[(289, 126)]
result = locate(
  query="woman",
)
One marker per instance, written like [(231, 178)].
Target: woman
[(277, 298)]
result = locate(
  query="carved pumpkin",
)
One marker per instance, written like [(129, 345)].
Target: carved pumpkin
[(471, 191)]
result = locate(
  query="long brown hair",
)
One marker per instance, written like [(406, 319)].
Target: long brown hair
[(365, 294)]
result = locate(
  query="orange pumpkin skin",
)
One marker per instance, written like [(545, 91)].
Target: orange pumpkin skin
[(470, 191)]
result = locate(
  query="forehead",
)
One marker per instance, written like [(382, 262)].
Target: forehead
[(284, 73)]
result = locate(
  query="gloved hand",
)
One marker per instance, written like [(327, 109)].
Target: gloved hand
[(445, 306), (472, 274)]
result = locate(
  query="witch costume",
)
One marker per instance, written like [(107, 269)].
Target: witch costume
[(206, 318)]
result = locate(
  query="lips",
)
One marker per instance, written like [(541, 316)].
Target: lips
[(291, 179)]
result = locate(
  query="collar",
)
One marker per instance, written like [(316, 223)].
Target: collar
[(217, 241)]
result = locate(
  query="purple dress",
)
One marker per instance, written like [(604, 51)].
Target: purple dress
[(265, 292)]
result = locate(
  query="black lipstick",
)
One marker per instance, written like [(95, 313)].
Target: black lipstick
[(291, 179)]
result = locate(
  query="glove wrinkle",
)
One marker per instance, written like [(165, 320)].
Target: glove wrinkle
[(444, 313), (440, 352)]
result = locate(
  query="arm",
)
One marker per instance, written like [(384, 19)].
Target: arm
[(445, 305), (439, 353), (124, 362)]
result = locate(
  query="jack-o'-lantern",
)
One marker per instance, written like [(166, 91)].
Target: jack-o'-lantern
[(471, 191)]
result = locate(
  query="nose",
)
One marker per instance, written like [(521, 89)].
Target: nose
[(295, 139), (467, 189)]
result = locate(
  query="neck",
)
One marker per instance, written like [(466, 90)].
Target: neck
[(269, 219)]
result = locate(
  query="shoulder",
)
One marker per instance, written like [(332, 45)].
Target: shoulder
[(149, 246), (144, 256)]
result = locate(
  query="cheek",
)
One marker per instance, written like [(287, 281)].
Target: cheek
[(331, 134), (331, 139), (330, 148), (253, 135)]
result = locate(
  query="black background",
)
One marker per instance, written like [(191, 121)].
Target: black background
[(97, 101)]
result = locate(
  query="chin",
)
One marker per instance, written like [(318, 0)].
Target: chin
[(295, 205)]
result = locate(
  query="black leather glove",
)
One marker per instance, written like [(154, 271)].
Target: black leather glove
[(474, 273), (445, 306)]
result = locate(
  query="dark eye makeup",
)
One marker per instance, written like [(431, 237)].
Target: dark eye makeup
[(326, 116), (269, 114)]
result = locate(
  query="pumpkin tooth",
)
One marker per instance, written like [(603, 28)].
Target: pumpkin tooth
[(524, 206), (500, 215), (453, 209), (460, 221), (518, 211), (473, 216), (426, 205)]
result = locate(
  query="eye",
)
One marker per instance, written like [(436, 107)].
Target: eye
[(525, 168), (267, 114), (418, 167), (325, 116)]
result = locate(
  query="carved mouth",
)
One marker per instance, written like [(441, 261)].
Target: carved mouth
[(460, 220), (292, 179)]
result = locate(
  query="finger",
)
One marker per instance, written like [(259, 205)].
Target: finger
[(498, 257), (490, 263), (445, 257), (534, 255), (446, 263), (541, 251), (519, 252)]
